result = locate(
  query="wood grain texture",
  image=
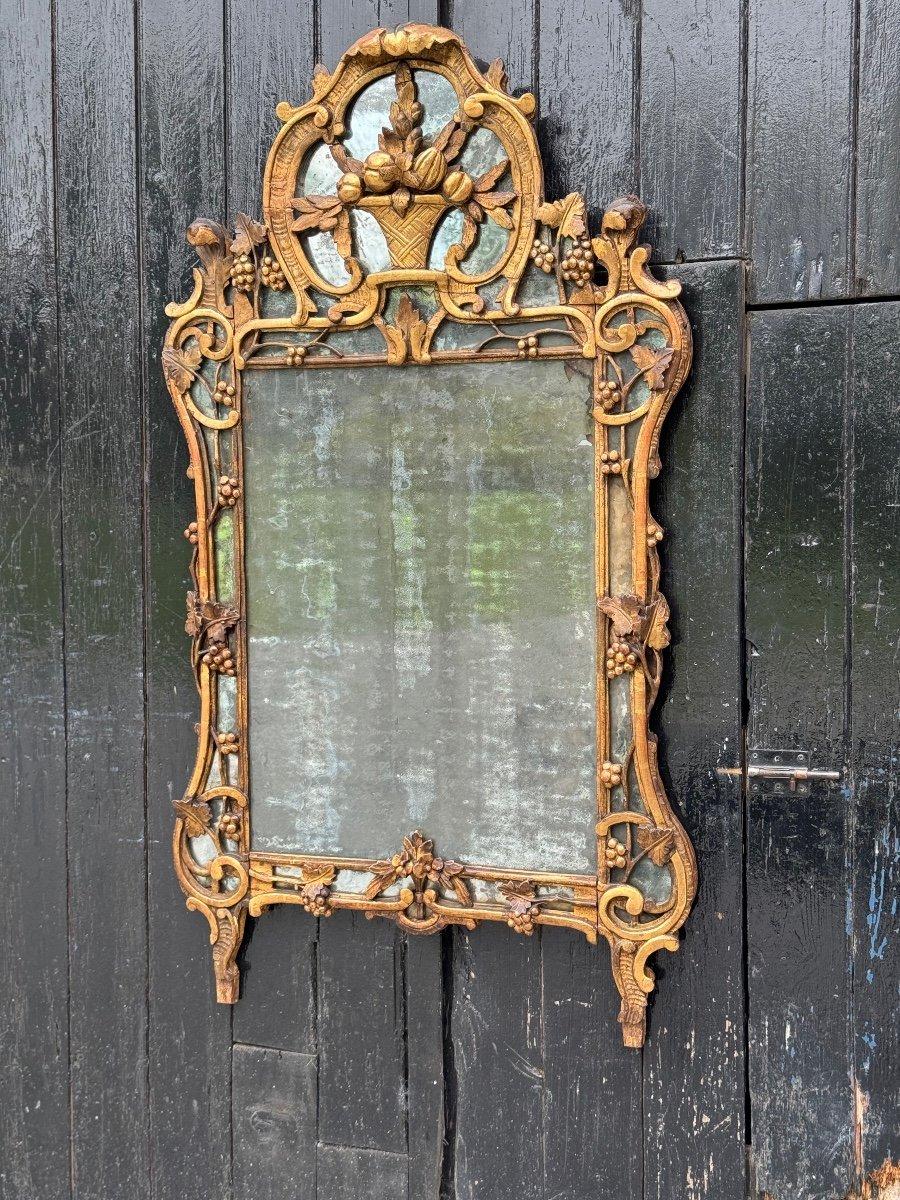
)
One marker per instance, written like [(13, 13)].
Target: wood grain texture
[(345, 1173), (425, 1070), (100, 342), (797, 847), (362, 1077), (694, 1061), (875, 502), (878, 150), (587, 1073), (496, 1031), (263, 68), (691, 122), (341, 22), (34, 1112), (278, 974), (799, 148), (594, 48), (274, 1114), (505, 29), (182, 176)]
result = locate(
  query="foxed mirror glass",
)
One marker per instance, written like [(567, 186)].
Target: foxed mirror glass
[(422, 405)]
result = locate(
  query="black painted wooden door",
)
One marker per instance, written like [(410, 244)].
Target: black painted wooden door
[(766, 139)]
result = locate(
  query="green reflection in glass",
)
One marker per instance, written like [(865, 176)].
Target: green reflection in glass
[(420, 610)]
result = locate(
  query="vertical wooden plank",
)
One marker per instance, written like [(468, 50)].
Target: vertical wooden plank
[(425, 1080), (34, 1113), (875, 502), (341, 22), (694, 1060), (496, 1031), (181, 115), (102, 538), (345, 1173), (587, 98), (691, 126), (269, 49), (878, 150), (362, 1081), (278, 972), (274, 1110), (504, 29), (592, 1110), (798, 151), (797, 885)]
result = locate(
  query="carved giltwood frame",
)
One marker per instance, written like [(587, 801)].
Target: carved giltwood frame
[(627, 330)]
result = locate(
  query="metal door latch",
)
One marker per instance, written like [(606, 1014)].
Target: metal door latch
[(784, 771)]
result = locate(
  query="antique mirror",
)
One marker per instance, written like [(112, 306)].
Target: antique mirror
[(422, 405)]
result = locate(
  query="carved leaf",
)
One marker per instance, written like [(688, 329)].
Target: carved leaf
[(626, 613), (348, 164), (568, 215), (496, 75), (520, 894), (342, 235), (197, 817), (384, 876), (401, 200), (248, 233), (658, 843), (491, 177), (654, 362), (318, 874), (409, 319), (316, 212), (658, 633), (180, 366), (469, 233), (500, 216)]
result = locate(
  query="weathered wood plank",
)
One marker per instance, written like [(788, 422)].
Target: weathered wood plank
[(182, 177), (278, 971), (345, 1173), (361, 1023), (587, 98), (425, 961), (798, 148), (589, 1075), (875, 503), (878, 150), (34, 1112), (797, 885), (496, 1031), (691, 125), (341, 22), (270, 58), (694, 1061), (505, 29), (274, 1113), (100, 344)]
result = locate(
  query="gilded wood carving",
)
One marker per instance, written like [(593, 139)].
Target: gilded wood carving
[(284, 294)]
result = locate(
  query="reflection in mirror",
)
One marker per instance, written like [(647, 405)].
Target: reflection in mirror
[(419, 554)]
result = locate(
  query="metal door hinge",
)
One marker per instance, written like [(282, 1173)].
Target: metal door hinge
[(784, 771)]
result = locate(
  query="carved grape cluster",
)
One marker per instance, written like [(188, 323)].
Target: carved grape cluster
[(229, 490), (541, 254), (230, 825), (527, 347), (620, 658), (271, 273), (521, 922), (192, 533), (243, 272), (316, 900), (578, 265), (611, 774), (654, 535), (295, 355), (611, 462), (224, 393), (228, 743), (615, 853), (608, 395), (218, 657)]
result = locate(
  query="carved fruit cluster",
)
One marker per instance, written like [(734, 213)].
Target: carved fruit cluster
[(527, 347), (316, 900), (295, 355), (611, 774), (620, 658), (541, 254), (610, 462), (218, 657), (230, 825), (578, 265), (224, 393), (228, 743), (243, 272), (192, 533), (271, 273), (229, 490), (608, 395), (521, 922), (615, 853), (654, 535)]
